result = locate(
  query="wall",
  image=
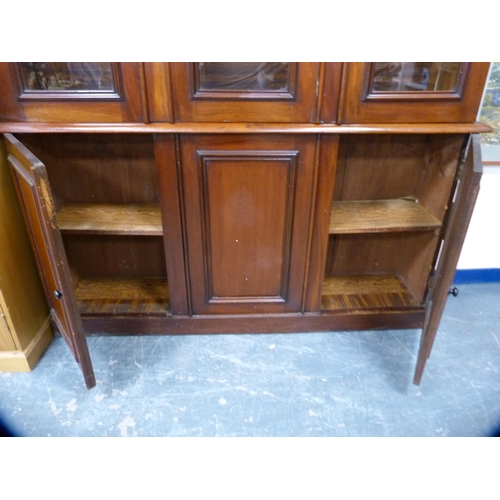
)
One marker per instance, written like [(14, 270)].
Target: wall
[(481, 249)]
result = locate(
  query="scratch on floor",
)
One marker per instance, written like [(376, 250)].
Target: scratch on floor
[(495, 337)]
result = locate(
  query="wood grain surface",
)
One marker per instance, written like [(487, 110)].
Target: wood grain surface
[(365, 292), (122, 296), (111, 219), (380, 216)]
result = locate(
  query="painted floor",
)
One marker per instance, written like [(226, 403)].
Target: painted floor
[(319, 384)]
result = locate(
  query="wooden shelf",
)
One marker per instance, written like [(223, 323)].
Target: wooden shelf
[(379, 216), (103, 296), (111, 219), (365, 293)]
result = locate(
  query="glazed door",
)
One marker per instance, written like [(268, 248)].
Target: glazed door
[(30, 178), (71, 92), (247, 206), (412, 92), (244, 92)]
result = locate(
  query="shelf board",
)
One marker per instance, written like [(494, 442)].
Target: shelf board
[(366, 293), (111, 219), (379, 216), (103, 296)]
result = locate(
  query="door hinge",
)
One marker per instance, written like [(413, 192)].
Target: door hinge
[(463, 159), (430, 286), (460, 170)]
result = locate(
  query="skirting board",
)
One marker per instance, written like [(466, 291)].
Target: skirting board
[(25, 360), (463, 276)]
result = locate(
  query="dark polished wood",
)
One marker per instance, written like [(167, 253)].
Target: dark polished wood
[(266, 323), (159, 94), (98, 169), (115, 255), (453, 238), (33, 189), (247, 202), (129, 107), (327, 163), (246, 128), (173, 218), (297, 106), (245, 198), (414, 107), (329, 92)]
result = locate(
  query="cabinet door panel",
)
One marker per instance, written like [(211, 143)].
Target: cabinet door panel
[(71, 92), (247, 205), (30, 178), (459, 216), (244, 92), (404, 92)]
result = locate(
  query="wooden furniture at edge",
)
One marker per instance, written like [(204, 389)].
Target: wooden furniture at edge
[(25, 329), (244, 197)]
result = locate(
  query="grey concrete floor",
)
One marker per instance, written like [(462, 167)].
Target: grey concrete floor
[(319, 384)]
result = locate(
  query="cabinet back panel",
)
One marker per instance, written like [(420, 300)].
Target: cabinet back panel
[(91, 168), (377, 167), (439, 172), (406, 255), (98, 256)]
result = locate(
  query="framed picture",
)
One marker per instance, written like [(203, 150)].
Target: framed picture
[(490, 114)]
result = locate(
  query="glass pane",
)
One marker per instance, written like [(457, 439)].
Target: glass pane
[(67, 76), (414, 76), (243, 76)]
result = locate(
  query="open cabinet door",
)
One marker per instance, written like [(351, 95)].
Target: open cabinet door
[(460, 213), (32, 185)]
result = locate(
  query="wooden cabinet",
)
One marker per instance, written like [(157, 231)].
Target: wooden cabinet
[(247, 201), (402, 92), (245, 92), (71, 92), (25, 329), (246, 208)]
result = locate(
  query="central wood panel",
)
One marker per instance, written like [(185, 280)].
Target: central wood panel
[(248, 200), (248, 205)]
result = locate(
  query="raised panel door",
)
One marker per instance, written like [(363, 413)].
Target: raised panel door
[(247, 204), (31, 181)]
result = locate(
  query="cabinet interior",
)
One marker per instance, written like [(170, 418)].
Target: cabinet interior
[(390, 198), (106, 194)]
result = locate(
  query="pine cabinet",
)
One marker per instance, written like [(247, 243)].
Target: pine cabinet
[(247, 197), (25, 322)]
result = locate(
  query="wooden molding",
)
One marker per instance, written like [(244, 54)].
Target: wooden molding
[(25, 360)]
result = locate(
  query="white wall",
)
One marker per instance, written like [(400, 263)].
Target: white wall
[(481, 248)]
